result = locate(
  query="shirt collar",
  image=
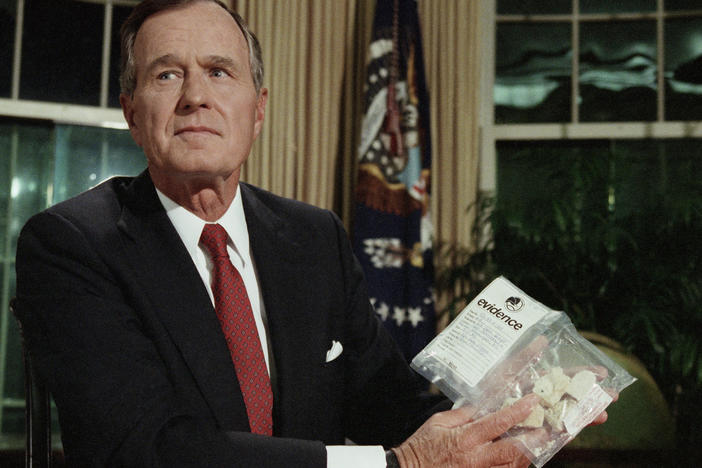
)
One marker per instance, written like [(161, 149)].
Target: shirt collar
[(189, 226)]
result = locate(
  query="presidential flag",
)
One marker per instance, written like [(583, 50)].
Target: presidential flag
[(392, 230)]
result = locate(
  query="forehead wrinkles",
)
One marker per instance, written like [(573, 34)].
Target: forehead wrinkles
[(191, 31)]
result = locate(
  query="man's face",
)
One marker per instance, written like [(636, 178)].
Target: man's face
[(195, 110)]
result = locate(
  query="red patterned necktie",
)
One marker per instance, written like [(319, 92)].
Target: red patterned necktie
[(236, 317)]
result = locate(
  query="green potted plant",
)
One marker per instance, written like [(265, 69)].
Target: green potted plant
[(631, 282)]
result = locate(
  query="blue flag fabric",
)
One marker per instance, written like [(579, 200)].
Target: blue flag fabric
[(392, 230)]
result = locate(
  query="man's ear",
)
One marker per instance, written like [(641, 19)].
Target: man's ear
[(260, 110), (127, 104)]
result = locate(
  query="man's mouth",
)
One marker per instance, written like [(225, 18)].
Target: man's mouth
[(196, 129)]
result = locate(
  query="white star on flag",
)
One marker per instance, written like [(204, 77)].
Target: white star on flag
[(383, 311), (415, 316), (399, 316)]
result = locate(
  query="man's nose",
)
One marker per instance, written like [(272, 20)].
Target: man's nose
[(195, 93)]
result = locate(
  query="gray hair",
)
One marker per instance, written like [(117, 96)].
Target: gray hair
[(147, 8)]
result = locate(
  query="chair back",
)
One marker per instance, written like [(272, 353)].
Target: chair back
[(37, 409)]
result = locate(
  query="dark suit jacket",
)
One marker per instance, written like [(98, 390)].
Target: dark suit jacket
[(127, 338)]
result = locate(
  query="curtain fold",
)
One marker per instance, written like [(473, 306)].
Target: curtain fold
[(315, 53), (451, 39), (304, 49)]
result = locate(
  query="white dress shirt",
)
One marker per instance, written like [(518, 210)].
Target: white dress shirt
[(189, 228)]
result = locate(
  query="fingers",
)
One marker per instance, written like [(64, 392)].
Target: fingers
[(454, 417), (448, 439), (600, 419), (500, 454), (603, 416), (493, 425), (516, 363), (535, 347), (613, 393), (524, 443), (599, 371), (530, 439), (512, 366)]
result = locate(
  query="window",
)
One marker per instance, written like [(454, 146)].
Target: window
[(591, 145), (50, 73), (589, 69), (61, 132), (598, 61), (64, 57)]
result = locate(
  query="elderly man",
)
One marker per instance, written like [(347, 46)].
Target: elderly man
[(183, 318)]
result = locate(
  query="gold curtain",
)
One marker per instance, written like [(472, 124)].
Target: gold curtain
[(450, 31), (315, 52), (307, 46)]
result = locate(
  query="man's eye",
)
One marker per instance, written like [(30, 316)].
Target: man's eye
[(166, 76), (219, 73)]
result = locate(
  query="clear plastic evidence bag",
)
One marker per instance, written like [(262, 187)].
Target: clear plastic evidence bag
[(505, 345)]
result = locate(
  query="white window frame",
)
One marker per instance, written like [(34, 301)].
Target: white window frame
[(491, 133), (94, 116)]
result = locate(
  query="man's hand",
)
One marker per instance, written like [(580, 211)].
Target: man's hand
[(453, 439)]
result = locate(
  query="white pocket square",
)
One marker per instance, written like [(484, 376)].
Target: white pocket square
[(335, 351)]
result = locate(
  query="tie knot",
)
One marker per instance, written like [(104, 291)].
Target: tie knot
[(214, 238)]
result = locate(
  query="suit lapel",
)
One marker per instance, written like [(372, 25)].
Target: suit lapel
[(163, 266), (297, 331)]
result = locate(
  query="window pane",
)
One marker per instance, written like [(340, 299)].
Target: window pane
[(549, 193), (85, 156), (673, 5), (32, 177), (62, 51), (119, 15), (8, 12), (601, 214), (617, 6), (123, 157), (618, 71), (638, 177), (683, 69), (534, 176), (24, 172), (77, 160), (533, 7), (5, 180), (532, 79)]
